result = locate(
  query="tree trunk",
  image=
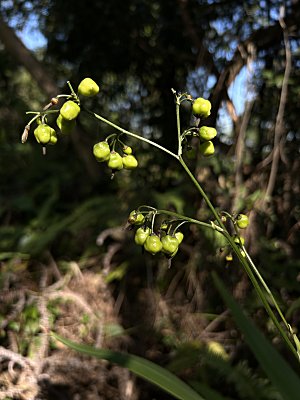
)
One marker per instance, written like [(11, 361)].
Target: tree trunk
[(23, 56)]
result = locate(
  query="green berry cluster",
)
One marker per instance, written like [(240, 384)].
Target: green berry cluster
[(67, 114), (44, 134), (201, 109), (240, 221), (154, 243), (104, 152)]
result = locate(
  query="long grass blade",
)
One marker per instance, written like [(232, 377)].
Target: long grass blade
[(143, 368)]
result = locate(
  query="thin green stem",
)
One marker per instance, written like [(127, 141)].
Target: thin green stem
[(202, 192), (145, 206), (152, 221), (260, 278), (33, 119), (42, 112), (179, 225), (72, 90), (184, 218), (260, 293), (179, 152), (267, 289), (241, 258), (132, 134)]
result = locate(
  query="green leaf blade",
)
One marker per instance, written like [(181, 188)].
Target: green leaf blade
[(277, 369), (141, 367)]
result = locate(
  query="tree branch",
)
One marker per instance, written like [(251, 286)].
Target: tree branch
[(279, 118), (24, 57), (259, 40)]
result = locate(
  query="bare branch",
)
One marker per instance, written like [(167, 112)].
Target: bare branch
[(259, 40), (279, 126)]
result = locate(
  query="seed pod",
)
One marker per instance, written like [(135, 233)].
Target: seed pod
[(53, 137), (64, 125), (136, 218), (201, 107), (101, 151), (141, 235), (44, 134), (207, 133), (179, 236), (87, 87), (207, 148), (70, 110), (169, 244), (153, 244), (115, 161), (242, 221), (129, 162), (127, 150)]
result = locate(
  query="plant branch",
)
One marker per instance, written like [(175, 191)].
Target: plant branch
[(178, 128), (128, 133), (261, 294), (243, 261), (184, 218), (202, 192)]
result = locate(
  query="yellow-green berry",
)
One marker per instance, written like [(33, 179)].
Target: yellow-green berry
[(115, 161), (179, 236), (201, 107), (70, 110), (101, 151), (136, 218), (207, 133), (88, 87), (64, 125), (141, 235), (242, 221), (44, 134), (153, 244), (169, 244), (127, 150), (129, 162), (207, 148)]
